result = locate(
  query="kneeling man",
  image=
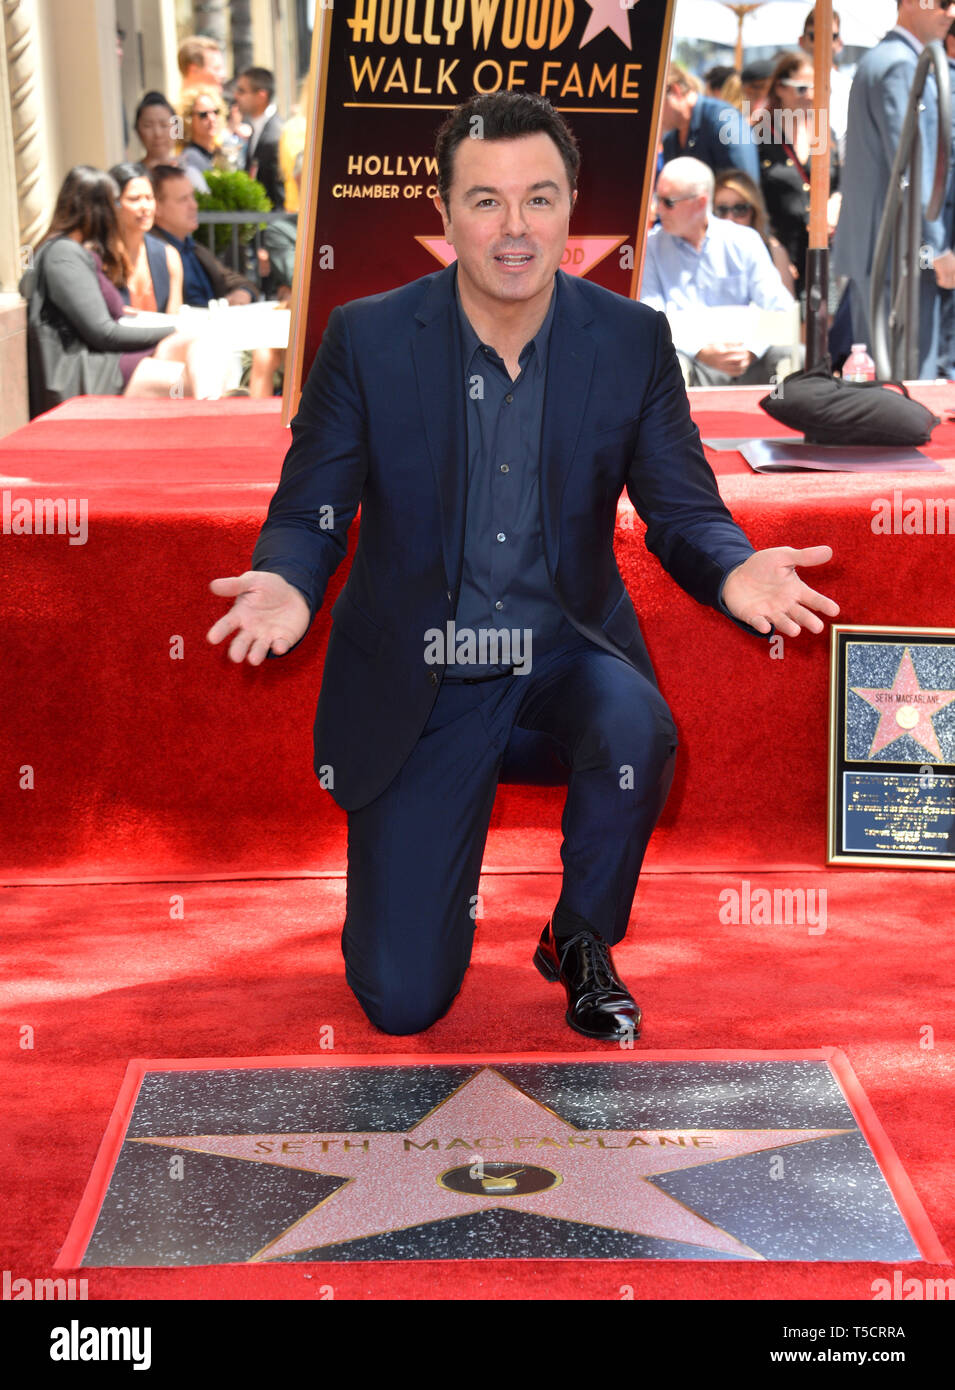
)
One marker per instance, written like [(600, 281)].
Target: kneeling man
[(487, 418)]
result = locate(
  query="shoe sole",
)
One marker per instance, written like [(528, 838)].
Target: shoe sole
[(552, 976)]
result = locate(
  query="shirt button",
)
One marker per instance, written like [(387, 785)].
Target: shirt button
[(501, 536), (499, 605), (449, 596), (805, 188), (505, 468), (789, 164), (433, 677), (508, 398)]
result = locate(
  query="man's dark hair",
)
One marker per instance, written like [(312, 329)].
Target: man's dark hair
[(717, 76), (161, 175), (503, 116), (262, 80)]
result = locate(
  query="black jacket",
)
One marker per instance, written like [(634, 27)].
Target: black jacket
[(264, 163)]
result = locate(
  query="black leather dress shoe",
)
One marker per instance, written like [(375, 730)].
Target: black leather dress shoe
[(599, 1005)]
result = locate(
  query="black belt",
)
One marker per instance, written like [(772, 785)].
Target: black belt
[(479, 680)]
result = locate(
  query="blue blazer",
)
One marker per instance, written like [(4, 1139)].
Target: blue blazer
[(382, 423), (877, 101)]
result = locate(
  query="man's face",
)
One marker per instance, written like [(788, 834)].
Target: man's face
[(676, 106), (210, 73), (176, 208), (806, 43), (927, 24), (249, 101), (688, 213), (510, 204)]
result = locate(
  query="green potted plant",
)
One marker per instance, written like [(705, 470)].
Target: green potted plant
[(232, 190)]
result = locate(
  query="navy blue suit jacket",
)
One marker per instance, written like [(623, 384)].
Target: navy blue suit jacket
[(382, 424)]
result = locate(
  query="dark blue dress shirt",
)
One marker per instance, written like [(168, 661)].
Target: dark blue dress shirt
[(197, 288), (505, 584)]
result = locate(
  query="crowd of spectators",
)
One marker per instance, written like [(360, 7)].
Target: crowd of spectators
[(757, 132), (122, 245), (730, 216)]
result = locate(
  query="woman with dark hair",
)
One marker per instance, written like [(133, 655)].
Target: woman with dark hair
[(155, 277), (737, 197), (156, 268), (790, 141), (157, 126), (81, 339)]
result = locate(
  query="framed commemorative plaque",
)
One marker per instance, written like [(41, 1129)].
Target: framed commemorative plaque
[(892, 747)]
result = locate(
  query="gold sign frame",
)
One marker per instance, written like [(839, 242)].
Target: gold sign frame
[(877, 635)]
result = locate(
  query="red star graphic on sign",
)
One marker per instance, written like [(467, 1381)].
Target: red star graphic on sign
[(580, 256), (906, 709), (476, 1150)]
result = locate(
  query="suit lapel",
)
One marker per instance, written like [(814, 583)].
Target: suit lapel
[(570, 365), (436, 350)]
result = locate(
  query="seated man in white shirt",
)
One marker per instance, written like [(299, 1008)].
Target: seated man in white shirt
[(696, 261)]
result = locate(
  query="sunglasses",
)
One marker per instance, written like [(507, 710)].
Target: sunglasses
[(205, 115), (802, 89), (672, 202), (732, 209)]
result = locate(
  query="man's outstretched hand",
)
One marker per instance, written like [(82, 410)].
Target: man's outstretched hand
[(269, 614), (765, 591)]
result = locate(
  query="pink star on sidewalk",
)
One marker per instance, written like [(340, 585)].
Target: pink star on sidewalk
[(402, 1179)]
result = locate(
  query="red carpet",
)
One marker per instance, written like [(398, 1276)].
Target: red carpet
[(147, 765), (147, 768), (103, 974)]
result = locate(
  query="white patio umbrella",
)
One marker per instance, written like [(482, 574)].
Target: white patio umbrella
[(777, 23)]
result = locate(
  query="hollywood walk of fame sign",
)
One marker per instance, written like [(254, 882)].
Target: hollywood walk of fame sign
[(670, 1156), (892, 747), (385, 77)]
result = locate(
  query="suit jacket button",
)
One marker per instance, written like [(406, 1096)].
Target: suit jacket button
[(434, 677)]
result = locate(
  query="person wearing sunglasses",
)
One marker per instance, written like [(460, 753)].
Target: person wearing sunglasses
[(840, 79), (877, 106), (737, 197), (793, 136), (202, 119), (697, 262)]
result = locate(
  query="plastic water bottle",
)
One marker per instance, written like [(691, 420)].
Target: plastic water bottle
[(858, 366)]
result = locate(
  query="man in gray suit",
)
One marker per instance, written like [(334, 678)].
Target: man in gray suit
[(877, 102)]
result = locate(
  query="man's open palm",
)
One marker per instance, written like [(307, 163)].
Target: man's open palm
[(269, 614), (765, 591)]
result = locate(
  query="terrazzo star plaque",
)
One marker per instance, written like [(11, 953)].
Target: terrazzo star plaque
[(892, 747), (690, 1156)]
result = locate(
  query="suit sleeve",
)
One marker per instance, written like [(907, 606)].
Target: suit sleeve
[(71, 285), (224, 279), (674, 491), (304, 538)]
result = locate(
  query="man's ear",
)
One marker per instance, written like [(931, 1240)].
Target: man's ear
[(445, 217), (573, 200)]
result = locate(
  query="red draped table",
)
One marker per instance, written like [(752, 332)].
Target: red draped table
[(133, 749)]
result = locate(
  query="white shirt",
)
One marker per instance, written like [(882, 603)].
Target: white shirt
[(258, 125), (733, 266)]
